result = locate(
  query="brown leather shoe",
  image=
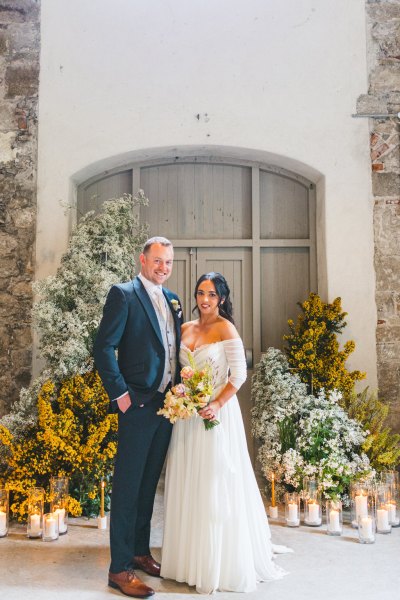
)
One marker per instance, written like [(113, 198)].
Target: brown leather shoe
[(147, 564), (129, 584)]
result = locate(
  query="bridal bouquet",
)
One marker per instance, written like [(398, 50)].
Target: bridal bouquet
[(187, 398)]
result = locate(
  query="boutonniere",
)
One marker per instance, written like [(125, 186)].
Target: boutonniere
[(177, 307)]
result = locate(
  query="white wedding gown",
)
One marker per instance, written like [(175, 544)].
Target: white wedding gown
[(216, 533)]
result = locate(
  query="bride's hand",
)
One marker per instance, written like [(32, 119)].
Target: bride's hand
[(210, 411)]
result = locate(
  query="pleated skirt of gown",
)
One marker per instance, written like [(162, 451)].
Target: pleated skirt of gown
[(216, 533)]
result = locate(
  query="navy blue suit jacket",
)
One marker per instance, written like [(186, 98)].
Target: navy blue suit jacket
[(130, 327)]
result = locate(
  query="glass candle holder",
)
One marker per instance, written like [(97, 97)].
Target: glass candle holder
[(50, 527), (391, 479), (366, 529), (59, 501), (313, 511), (334, 517), (292, 509), (393, 510), (4, 512), (310, 488), (35, 512), (273, 512), (61, 513), (361, 501), (382, 512)]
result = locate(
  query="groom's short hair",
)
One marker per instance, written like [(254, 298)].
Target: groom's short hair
[(155, 240)]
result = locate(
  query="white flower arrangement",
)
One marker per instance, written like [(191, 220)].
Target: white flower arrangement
[(100, 253), (301, 434)]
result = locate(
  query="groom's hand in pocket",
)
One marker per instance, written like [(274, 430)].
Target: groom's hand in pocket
[(124, 402)]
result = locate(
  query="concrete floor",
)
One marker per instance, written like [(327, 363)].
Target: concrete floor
[(75, 566)]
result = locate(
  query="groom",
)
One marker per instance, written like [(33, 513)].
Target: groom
[(141, 320)]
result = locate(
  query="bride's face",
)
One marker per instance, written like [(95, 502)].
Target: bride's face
[(207, 298)]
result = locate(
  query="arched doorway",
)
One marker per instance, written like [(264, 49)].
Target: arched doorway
[(253, 222)]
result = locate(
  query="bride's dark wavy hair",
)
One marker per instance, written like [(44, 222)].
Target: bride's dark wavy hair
[(223, 292)]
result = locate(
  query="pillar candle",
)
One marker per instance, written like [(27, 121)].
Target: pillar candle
[(60, 514), (35, 525), (292, 512), (366, 527), (3, 523), (334, 521), (361, 506), (50, 527), (382, 519), (313, 512), (391, 508)]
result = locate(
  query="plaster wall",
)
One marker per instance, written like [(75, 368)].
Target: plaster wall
[(261, 80)]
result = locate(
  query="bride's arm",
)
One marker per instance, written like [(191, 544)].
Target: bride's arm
[(236, 360)]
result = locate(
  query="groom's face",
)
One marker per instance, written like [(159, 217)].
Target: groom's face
[(157, 263)]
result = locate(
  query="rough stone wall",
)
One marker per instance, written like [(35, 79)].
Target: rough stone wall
[(383, 25), (19, 80)]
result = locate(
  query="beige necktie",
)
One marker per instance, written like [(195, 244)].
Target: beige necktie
[(159, 296)]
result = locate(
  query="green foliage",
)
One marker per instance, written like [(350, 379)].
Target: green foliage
[(381, 445), (287, 434), (313, 349)]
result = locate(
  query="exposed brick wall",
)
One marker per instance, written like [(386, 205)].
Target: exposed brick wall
[(19, 80), (383, 22)]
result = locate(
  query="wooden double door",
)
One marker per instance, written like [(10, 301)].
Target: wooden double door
[(254, 223)]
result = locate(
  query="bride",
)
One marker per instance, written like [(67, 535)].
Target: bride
[(216, 533)]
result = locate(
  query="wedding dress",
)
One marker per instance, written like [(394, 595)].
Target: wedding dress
[(216, 533)]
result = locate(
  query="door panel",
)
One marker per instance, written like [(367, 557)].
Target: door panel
[(285, 277), (235, 265), (197, 201), (181, 279), (91, 197), (284, 208)]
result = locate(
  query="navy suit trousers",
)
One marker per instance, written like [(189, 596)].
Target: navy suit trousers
[(143, 438)]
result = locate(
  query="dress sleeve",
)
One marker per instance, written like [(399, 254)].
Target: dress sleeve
[(236, 360)]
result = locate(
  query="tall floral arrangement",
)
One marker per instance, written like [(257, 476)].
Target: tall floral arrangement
[(73, 436), (313, 347), (101, 252), (313, 352), (302, 434), (66, 315)]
